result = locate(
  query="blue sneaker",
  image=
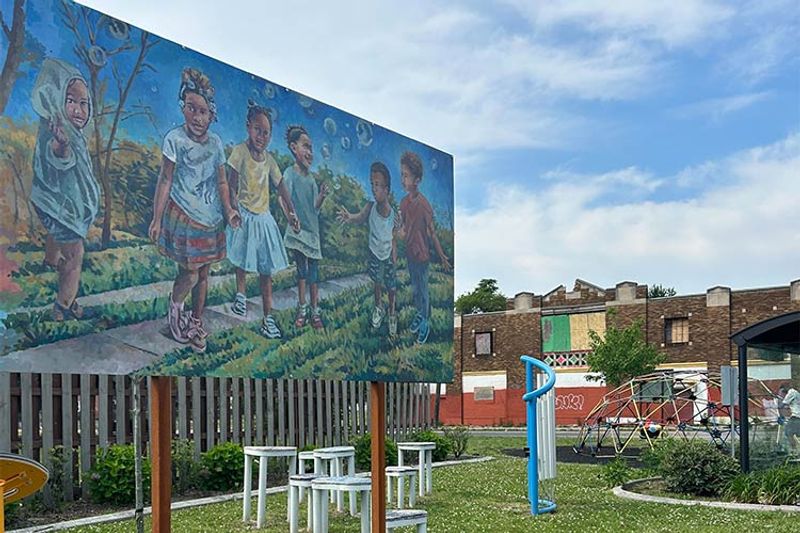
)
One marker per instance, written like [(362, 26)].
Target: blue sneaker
[(423, 331), (414, 327)]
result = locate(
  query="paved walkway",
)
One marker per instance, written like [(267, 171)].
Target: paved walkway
[(125, 349)]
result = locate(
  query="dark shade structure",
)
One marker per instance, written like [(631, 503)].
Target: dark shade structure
[(780, 335)]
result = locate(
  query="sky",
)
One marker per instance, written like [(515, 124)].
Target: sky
[(656, 142)]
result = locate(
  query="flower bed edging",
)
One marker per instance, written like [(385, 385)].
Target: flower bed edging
[(624, 491)]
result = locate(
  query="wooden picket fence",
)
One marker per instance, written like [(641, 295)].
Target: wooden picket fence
[(87, 413)]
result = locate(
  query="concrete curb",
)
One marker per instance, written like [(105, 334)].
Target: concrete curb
[(623, 492), (130, 514)]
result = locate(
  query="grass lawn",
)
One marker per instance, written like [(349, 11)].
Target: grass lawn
[(490, 497)]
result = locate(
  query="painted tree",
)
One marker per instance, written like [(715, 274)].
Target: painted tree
[(107, 115), (621, 354), (16, 50)]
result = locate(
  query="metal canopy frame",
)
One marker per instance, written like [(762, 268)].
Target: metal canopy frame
[(782, 330)]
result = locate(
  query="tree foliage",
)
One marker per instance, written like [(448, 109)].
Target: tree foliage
[(486, 297), (622, 354), (660, 291)]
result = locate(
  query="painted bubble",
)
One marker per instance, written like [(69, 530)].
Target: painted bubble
[(97, 55), (269, 90), (329, 125), (304, 101), (273, 115), (337, 184), (434, 164), (117, 29), (364, 133), (345, 142), (326, 151)]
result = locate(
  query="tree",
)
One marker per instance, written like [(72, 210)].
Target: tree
[(484, 299), (622, 354), (659, 291), (15, 53), (86, 27)]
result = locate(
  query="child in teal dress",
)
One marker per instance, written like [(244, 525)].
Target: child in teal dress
[(304, 243)]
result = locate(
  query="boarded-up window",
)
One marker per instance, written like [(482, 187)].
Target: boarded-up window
[(676, 330), (483, 394), (483, 343)]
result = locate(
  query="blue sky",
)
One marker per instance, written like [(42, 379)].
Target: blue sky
[(653, 141)]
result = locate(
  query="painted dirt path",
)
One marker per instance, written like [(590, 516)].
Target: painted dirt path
[(126, 349)]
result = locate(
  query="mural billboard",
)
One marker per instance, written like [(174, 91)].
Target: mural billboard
[(164, 213)]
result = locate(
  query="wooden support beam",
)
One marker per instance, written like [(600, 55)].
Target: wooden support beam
[(378, 433), (161, 425)]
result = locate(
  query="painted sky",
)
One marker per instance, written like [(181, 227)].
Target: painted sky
[(652, 141)]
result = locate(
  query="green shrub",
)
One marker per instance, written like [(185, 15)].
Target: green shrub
[(777, 486), (363, 446), (780, 486), (653, 457), (615, 472), (743, 488), (112, 478), (185, 470), (459, 438), (222, 467), (697, 468), (443, 444)]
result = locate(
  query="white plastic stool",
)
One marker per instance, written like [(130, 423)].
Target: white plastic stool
[(333, 458), (407, 517), (321, 488), (400, 473), (302, 458), (263, 453), (425, 459), (297, 486)]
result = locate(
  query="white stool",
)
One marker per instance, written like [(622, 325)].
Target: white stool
[(263, 453), (400, 473), (333, 458), (408, 517), (322, 486), (425, 459), (297, 486), (302, 458)]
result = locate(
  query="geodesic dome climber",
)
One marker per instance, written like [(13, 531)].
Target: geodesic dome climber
[(539, 398), (666, 404)]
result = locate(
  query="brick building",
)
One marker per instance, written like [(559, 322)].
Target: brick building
[(692, 330)]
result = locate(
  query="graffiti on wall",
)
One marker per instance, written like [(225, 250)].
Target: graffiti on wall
[(168, 214)]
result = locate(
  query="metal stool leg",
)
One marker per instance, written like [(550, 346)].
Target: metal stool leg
[(262, 492), (248, 487)]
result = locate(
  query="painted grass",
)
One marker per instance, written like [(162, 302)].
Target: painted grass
[(348, 346), (490, 497)]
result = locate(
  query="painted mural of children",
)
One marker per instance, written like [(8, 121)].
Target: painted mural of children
[(64, 192), (304, 243), (192, 204), (257, 245), (418, 231), (382, 222)]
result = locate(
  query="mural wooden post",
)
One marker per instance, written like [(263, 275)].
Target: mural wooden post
[(161, 437), (378, 432)]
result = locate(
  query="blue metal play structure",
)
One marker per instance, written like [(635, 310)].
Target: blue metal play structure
[(541, 420)]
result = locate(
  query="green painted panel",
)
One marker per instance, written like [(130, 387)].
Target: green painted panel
[(555, 333)]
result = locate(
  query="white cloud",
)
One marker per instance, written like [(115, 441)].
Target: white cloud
[(716, 108), (453, 76), (742, 231), (671, 23)]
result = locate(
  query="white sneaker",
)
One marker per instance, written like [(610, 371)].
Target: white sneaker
[(377, 316)]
